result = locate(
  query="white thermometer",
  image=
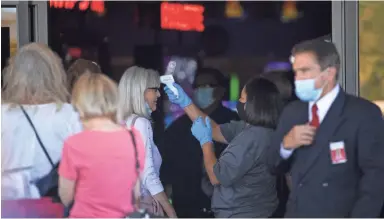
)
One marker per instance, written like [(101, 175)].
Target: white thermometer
[(168, 80)]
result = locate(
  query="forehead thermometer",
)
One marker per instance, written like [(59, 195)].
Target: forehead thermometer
[(168, 79)]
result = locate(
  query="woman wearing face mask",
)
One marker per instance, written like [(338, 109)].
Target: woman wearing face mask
[(243, 185), (138, 94)]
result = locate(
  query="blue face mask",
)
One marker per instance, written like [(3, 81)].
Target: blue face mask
[(306, 91), (149, 110), (203, 97)]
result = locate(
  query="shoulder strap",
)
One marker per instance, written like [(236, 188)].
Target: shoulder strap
[(134, 121), (38, 137), (137, 163), (137, 166)]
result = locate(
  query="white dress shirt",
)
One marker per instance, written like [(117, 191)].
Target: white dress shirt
[(323, 106), (151, 184), (22, 159)]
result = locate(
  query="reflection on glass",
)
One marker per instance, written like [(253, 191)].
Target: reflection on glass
[(371, 51), (9, 19)]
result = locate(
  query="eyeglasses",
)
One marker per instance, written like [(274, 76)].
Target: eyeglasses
[(157, 89)]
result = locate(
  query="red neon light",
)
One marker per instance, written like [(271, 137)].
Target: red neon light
[(95, 6), (184, 17), (75, 52), (83, 5)]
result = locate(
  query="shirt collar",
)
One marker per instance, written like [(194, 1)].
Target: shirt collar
[(326, 101)]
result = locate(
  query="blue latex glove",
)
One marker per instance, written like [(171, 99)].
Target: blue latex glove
[(202, 130), (182, 100)]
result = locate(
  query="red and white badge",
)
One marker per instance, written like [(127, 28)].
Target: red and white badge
[(338, 154)]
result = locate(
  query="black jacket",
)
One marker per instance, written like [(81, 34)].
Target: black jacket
[(323, 189)]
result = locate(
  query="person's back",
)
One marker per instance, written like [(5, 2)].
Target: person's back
[(23, 159), (101, 165), (105, 172), (35, 79), (254, 192)]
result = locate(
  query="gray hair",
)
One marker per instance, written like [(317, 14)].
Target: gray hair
[(35, 75), (132, 87)]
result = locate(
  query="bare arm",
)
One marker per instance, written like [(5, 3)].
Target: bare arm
[(137, 193), (66, 190), (164, 202), (209, 161), (67, 176), (193, 112)]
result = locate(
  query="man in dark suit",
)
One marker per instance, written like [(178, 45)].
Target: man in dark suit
[(333, 141)]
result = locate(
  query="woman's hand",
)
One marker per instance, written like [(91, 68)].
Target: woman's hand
[(202, 130), (182, 99)]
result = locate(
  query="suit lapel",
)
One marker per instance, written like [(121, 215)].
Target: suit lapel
[(332, 120), (302, 113)]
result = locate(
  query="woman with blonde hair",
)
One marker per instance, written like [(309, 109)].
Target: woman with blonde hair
[(98, 170), (139, 91), (79, 67), (34, 89)]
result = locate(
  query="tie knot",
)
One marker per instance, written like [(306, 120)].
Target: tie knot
[(314, 108)]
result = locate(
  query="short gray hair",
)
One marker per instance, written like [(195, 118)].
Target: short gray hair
[(132, 87)]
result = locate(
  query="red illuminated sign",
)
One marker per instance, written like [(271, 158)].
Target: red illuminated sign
[(95, 6), (184, 17)]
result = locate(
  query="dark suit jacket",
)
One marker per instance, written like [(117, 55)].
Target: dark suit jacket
[(323, 189)]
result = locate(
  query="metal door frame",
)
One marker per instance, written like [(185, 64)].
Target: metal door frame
[(24, 19), (345, 34)]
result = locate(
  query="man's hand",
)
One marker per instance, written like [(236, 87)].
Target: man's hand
[(298, 136)]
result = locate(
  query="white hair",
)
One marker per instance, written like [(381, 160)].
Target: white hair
[(132, 87)]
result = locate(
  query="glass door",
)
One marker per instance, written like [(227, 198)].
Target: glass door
[(22, 22), (26, 21), (15, 18)]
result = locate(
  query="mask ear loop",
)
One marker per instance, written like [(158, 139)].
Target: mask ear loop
[(325, 84), (326, 71)]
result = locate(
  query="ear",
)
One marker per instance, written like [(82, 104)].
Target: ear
[(331, 73)]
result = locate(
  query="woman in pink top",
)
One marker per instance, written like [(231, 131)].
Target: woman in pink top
[(98, 166)]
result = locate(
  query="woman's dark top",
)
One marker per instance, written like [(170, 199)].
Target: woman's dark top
[(246, 189)]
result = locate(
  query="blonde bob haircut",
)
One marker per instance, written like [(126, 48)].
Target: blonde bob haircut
[(35, 75), (133, 84), (94, 95)]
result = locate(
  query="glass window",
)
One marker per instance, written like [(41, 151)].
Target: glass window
[(371, 51)]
